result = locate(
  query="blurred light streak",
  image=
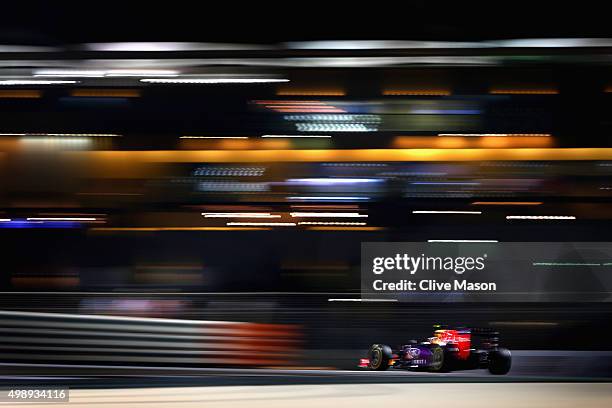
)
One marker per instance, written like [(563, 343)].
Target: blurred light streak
[(69, 73), (285, 102), (39, 224), (327, 206), (382, 44), (497, 134), (214, 341), (330, 223), (512, 91), (213, 80), (429, 142), (54, 142), (345, 228), (106, 93), (361, 300), (456, 142), (445, 183), (261, 224), (343, 157), (417, 92), (5, 219), (171, 46), (446, 212), (214, 137), (229, 171), (307, 110), (20, 93), (141, 72), (234, 144), (552, 42), (111, 194), (300, 106), (240, 215), (144, 229), (297, 136), (463, 240), (337, 118), (410, 142), (335, 127), (233, 186), (507, 203), (515, 141), (12, 82), (332, 181), (540, 217), (328, 214), (328, 198), (61, 219), (63, 134)]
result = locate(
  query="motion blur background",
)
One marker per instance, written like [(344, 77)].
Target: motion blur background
[(164, 162)]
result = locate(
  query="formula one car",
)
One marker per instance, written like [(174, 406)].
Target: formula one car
[(447, 350)]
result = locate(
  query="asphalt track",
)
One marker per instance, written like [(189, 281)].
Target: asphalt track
[(537, 379), (473, 395), (528, 366)]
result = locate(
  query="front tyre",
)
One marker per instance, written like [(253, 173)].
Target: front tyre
[(437, 358), (379, 355), (500, 361)]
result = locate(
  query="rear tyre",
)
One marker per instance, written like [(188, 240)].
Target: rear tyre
[(379, 355), (500, 361)]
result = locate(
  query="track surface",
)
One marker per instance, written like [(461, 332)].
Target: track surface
[(528, 366), (502, 395)]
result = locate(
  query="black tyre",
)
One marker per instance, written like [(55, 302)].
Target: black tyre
[(437, 359), (379, 355), (500, 361)]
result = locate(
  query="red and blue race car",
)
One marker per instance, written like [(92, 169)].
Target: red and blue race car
[(446, 350)]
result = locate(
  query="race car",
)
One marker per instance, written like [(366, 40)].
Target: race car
[(446, 350)]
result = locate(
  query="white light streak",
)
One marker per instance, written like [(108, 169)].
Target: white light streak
[(240, 215), (362, 300), (69, 73), (333, 180), (61, 219), (10, 82), (213, 80), (214, 137), (330, 223), (328, 198), (328, 214), (140, 73)]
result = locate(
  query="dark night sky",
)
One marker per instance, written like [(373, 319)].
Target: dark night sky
[(56, 22)]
